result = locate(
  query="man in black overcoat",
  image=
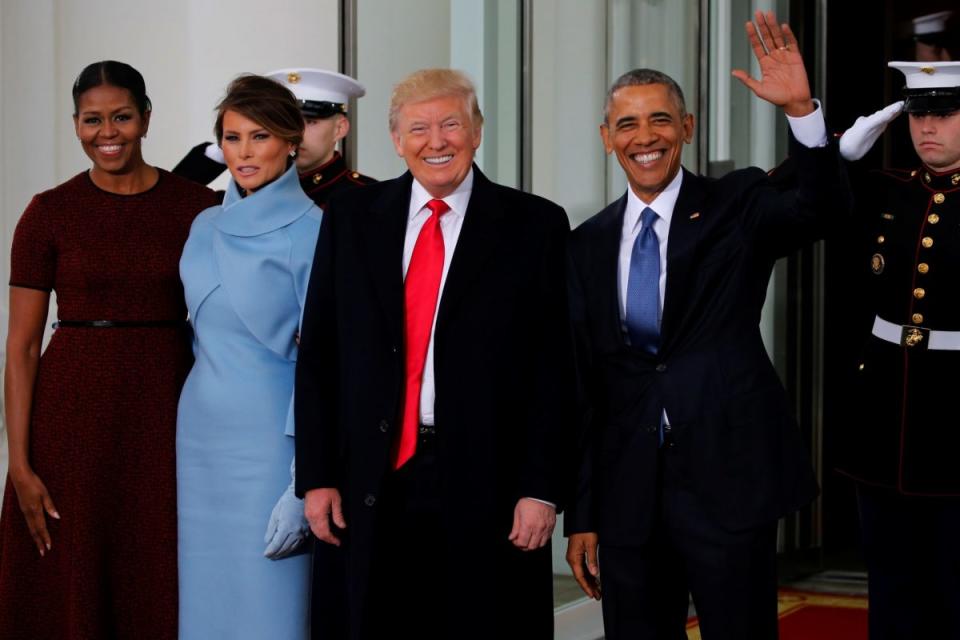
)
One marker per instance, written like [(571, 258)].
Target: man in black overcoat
[(433, 380)]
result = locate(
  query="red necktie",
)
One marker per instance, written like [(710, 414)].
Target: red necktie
[(421, 288)]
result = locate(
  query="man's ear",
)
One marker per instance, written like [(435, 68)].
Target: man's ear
[(605, 136), (342, 128), (396, 143), (688, 128)]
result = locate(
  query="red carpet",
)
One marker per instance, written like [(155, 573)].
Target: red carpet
[(814, 616)]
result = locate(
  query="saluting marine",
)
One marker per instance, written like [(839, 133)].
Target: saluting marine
[(324, 97), (904, 443)]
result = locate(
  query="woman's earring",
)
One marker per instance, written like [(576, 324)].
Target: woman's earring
[(293, 152)]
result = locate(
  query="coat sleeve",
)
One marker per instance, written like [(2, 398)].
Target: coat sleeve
[(303, 243), (316, 388), (548, 442), (579, 517), (786, 217)]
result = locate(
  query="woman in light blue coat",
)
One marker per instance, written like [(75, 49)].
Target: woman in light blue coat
[(244, 568)]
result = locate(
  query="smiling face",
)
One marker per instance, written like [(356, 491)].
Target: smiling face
[(936, 139), (437, 139), (320, 138), (254, 155), (110, 127), (646, 130)]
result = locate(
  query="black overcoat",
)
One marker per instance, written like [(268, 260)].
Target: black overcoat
[(503, 362)]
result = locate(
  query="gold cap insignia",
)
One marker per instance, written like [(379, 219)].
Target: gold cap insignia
[(317, 177), (293, 77), (928, 70)]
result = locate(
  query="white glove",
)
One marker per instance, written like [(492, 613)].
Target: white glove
[(287, 528), (857, 140), (215, 153)]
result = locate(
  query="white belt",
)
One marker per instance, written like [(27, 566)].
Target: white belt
[(916, 337)]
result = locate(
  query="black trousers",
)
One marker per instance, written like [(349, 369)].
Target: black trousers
[(912, 548), (732, 576), (408, 557), (426, 583)]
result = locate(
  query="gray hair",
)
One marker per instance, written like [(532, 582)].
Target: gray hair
[(638, 77)]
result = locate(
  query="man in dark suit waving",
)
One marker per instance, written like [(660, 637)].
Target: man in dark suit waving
[(434, 361), (690, 452)]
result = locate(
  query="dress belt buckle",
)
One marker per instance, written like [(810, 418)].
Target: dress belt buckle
[(914, 337), (427, 430)]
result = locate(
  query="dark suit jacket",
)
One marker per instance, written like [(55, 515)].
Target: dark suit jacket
[(503, 362), (735, 439)]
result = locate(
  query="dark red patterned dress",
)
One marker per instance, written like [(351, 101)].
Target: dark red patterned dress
[(104, 414)]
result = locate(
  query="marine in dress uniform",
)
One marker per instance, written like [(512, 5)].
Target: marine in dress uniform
[(324, 97), (905, 441)]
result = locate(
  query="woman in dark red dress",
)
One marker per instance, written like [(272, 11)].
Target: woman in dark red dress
[(88, 527)]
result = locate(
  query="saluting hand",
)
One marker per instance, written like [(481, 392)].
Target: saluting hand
[(783, 76)]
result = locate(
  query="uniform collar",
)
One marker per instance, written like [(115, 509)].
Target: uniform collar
[(272, 207), (324, 173), (934, 181)]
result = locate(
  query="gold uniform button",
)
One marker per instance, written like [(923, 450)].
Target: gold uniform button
[(918, 293), (355, 174), (939, 198), (927, 242), (923, 267), (881, 239), (913, 173), (933, 218), (917, 318)]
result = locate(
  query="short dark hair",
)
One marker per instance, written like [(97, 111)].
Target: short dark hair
[(638, 77), (266, 102), (114, 74)]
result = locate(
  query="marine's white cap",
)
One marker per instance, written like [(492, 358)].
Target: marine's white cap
[(932, 87), (931, 23), (318, 85), (929, 75)]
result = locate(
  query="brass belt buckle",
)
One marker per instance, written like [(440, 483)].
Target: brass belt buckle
[(914, 337)]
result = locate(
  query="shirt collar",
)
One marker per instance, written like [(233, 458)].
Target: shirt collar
[(457, 201), (662, 205)]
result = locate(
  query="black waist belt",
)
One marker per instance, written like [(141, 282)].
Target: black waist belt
[(117, 324)]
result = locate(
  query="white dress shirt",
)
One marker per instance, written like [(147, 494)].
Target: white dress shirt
[(450, 224)]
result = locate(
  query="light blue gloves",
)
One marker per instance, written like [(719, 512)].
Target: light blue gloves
[(857, 140), (287, 528)]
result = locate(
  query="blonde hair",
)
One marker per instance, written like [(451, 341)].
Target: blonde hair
[(427, 84)]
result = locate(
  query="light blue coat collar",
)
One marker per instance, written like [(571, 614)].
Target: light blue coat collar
[(253, 216)]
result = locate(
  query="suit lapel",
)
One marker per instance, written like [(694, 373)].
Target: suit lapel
[(607, 278), (387, 226), (482, 223), (685, 226)]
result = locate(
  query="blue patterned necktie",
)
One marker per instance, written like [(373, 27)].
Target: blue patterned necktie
[(643, 286)]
